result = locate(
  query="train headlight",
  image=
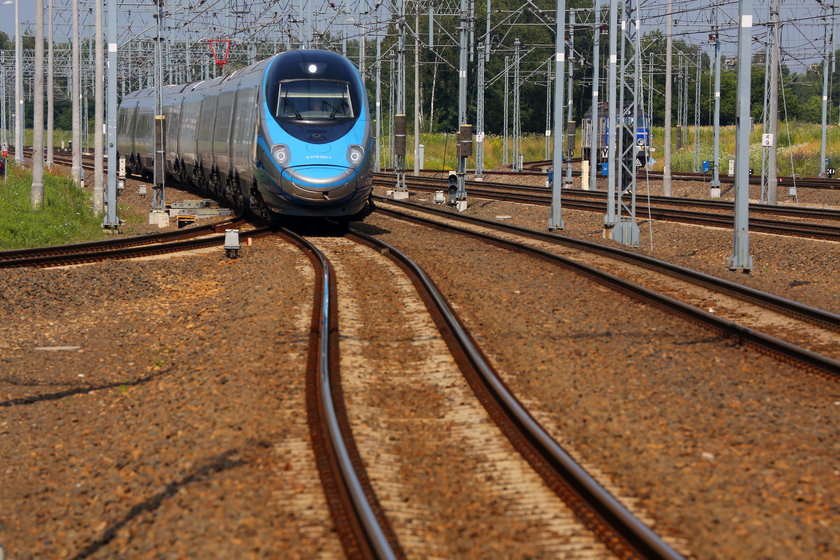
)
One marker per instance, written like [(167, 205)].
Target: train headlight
[(355, 154), (281, 154)]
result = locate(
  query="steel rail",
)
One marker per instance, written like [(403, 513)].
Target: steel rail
[(361, 532), (762, 342), (782, 305), (801, 182), (793, 229), (617, 527), (45, 261), (125, 242), (724, 205)]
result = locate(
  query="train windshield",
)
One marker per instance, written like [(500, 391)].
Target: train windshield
[(314, 100)]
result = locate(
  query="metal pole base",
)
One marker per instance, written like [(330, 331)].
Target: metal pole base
[(737, 262), (714, 192), (400, 190), (626, 233)]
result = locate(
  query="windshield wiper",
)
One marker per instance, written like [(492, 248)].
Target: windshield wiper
[(335, 111), (286, 103)]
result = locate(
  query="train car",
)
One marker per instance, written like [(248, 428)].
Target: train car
[(290, 135), (642, 136)]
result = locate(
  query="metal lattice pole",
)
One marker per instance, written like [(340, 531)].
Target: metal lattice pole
[(824, 92), (772, 161), (765, 123), (569, 115), (159, 199), (517, 156), (400, 189), (697, 114), (479, 115), (549, 95), (595, 132), (612, 71), (714, 190), (461, 195), (669, 66), (505, 118), (4, 139), (416, 92), (378, 164), (681, 90)]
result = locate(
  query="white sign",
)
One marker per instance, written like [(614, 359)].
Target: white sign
[(767, 140)]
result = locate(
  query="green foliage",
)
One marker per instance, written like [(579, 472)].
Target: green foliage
[(798, 148), (66, 216), (801, 150)]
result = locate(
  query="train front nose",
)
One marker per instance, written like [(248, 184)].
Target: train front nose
[(319, 183)]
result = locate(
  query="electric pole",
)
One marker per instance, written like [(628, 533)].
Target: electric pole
[(569, 116), (594, 133), (555, 220), (76, 94), (98, 116), (50, 92), (18, 88), (416, 89), (612, 70), (378, 164), (464, 130), (111, 219), (828, 46), (37, 193), (158, 199), (669, 66), (714, 191), (740, 259), (772, 163)]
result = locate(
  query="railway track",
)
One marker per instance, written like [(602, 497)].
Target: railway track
[(595, 202), (362, 521), (186, 239), (540, 168), (794, 333)]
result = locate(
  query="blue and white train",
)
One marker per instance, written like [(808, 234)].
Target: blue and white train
[(290, 135), (602, 137)]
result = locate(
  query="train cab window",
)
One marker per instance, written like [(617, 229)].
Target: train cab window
[(314, 100)]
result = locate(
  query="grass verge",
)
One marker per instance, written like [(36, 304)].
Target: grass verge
[(66, 217)]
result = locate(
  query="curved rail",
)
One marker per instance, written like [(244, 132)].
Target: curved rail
[(121, 243), (44, 261), (358, 525), (764, 343), (615, 525)]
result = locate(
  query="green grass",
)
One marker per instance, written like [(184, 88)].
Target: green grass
[(66, 216)]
